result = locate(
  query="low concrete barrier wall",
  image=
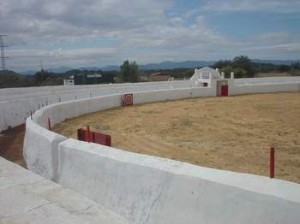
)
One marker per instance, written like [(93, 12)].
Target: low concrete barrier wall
[(41, 145), (16, 103), (151, 190), (147, 189), (61, 111), (41, 150), (263, 88), (267, 80)]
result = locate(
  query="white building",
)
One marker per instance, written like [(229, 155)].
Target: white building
[(203, 76)]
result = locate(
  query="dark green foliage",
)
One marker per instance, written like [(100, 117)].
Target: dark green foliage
[(9, 79), (241, 65), (221, 64), (244, 63), (129, 72)]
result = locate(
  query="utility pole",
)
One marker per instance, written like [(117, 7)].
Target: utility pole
[(2, 46)]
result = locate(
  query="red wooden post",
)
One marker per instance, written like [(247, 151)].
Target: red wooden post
[(108, 140), (49, 124), (80, 135), (88, 134), (272, 162)]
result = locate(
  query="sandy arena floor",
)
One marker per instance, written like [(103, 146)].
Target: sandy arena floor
[(230, 133)]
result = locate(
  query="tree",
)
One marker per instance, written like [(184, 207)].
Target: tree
[(238, 72), (284, 68), (220, 64), (227, 69), (41, 76), (129, 72), (245, 63)]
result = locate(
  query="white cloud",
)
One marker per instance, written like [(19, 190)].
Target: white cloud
[(134, 25), (100, 32)]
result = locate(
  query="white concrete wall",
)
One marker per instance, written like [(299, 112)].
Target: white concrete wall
[(148, 189), (263, 88), (41, 145), (151, 190), (163, 95), (16, 103), (40, 150), (268, 80)]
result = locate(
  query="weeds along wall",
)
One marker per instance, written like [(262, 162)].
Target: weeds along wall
[(147, 189)]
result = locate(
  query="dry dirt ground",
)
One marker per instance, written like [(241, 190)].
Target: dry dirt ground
[(11, 144), (230, 133)]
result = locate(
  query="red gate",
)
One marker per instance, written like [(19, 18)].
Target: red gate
[(224, 90)]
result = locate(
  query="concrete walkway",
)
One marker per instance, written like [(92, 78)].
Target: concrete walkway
[(28, 198)]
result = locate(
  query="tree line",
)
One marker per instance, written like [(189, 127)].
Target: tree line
[(242, 66)]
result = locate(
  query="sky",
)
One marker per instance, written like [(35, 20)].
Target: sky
[(83, 33)]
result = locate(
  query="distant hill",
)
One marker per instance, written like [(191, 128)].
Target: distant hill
[(111, 68), (173, 65), (275, 62), (11, 79), (190, 64), (61, 69), (164, 65), (160, 66), (28, 72)]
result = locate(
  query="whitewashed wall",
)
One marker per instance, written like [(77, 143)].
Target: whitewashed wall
[(268, 80), (16, 103), (265, 88), (40, 145), (152, 190)]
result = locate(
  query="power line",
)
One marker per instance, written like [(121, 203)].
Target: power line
[(2, 46)]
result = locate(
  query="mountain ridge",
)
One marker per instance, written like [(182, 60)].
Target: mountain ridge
[(159, 66)]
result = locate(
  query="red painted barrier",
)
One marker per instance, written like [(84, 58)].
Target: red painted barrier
[(101, 138), (93, 136), (272, 162)]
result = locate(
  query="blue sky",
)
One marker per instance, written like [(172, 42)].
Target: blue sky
[(78, 33)]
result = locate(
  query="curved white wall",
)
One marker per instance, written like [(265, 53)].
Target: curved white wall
[(264, 85), (16, 103), (147, 189)]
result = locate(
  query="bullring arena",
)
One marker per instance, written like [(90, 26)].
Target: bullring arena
[(101, 184)]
